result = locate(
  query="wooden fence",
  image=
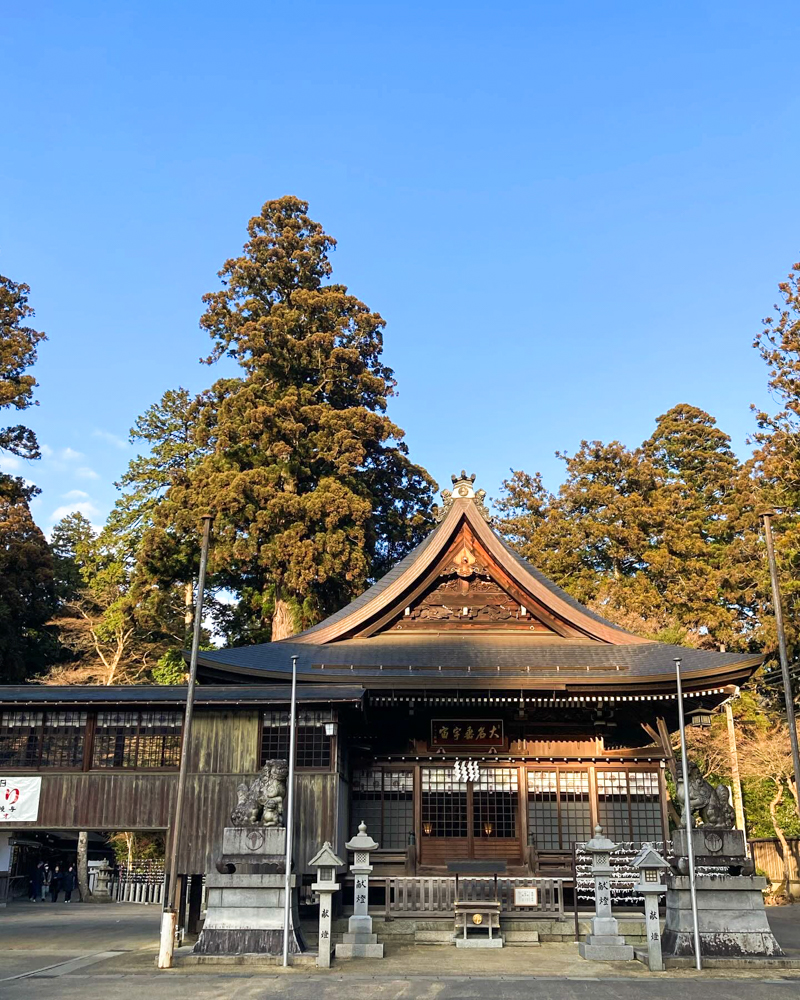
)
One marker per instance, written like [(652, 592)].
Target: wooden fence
[(413, 896), (768, 858)]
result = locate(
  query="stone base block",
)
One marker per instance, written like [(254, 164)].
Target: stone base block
[(359, 951), (245, 916), (596, 952), (479, 942), (731, 916), (359, 938)]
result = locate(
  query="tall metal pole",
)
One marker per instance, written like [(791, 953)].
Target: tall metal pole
[(787, 678), (687, 816), (169, 916), (287, 885)]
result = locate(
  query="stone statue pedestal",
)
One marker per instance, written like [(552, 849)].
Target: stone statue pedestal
[(713, 846), (731, 915), (246, 907)]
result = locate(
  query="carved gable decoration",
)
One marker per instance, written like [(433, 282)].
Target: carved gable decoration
[(466, 597)]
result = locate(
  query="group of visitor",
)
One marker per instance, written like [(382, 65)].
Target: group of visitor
[(46, 881)]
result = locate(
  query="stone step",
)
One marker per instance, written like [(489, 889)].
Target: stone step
[(528, 939), (443, 936)]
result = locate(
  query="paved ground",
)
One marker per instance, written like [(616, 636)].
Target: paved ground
[(75, 952)]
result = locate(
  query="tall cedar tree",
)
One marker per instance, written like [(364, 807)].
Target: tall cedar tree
[(27, 590), (308, 479), (777, 456), (650, 537), (167, 429)]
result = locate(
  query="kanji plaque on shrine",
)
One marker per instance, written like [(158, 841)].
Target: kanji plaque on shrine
[(468, 733)]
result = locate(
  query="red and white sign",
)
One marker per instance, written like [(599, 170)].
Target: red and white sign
[(19, 799)]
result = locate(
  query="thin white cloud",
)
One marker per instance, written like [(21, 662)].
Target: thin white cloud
[(114, 439), (75, 495), (70, 455), (84, 472), (46, 450), (10, 463), (87, 508)]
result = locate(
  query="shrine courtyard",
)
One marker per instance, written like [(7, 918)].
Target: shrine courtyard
[(108, 953)]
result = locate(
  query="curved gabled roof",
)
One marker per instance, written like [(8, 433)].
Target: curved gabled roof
[(410, 576), (380, 641)]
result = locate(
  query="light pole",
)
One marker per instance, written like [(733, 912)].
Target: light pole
[(169, 916), (687, 818), (287, 885), (766, 516)]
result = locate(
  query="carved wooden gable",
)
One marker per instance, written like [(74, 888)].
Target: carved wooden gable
[(465, 594)]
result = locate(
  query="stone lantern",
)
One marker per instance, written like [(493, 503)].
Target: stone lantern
[(651, 868), (360, 942), (604, 944), (102, 888), (326, 863)]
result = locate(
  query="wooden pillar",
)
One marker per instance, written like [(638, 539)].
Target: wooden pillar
[(195, 905), (736, 783)]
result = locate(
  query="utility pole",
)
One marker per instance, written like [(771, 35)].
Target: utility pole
[(169, 916), (766, 516)]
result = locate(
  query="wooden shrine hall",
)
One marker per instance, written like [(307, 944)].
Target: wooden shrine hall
[(464, 707)]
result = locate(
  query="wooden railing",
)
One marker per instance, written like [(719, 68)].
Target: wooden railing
[(437, 894)]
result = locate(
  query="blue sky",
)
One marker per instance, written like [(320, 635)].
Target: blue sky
[(572, 215)]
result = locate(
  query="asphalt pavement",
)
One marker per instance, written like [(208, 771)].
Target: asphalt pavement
[(67, 951)]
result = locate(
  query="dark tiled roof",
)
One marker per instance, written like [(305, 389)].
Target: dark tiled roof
[(174, 694), (421, 656)]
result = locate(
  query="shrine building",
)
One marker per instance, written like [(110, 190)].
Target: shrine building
[(464, 707)]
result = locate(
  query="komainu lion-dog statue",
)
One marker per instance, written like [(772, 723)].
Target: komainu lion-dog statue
[(713, 804), (261, 803)]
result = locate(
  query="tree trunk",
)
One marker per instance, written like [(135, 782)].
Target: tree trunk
[(282, 623), (188, 612), (773, 811), (83, 866)]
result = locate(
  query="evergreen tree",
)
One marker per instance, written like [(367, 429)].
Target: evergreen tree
[(18, 351), (27, 592), (309, 480), (776, 461), (658, 539)]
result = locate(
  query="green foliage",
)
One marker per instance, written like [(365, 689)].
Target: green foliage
[(18, 351), (27, 589), (756, 795), (659, 539), (309, 480), (170, 669)]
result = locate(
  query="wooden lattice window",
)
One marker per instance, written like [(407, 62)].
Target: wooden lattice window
[(444, 804), (137, 740), (384, 800), (42, 739), (559, 808), (495, 800), (628, 805), (312, 746)]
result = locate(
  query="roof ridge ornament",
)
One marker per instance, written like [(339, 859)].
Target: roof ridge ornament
[(463, 489)]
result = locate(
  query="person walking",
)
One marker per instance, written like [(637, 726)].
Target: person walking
[(68, 883), (45, 881), (36, 882), (55, 883)]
